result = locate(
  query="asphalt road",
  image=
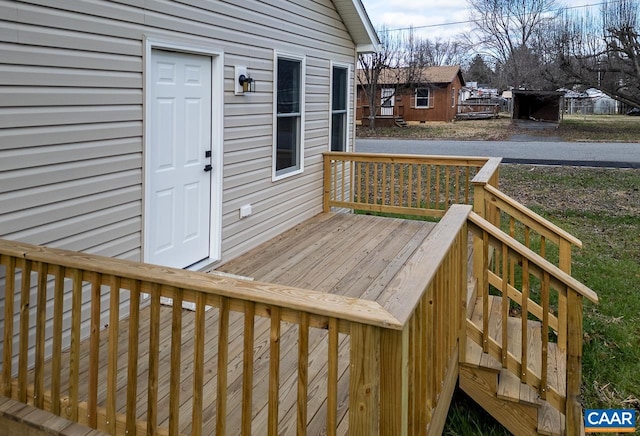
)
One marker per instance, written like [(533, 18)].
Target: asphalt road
[(597, 154)]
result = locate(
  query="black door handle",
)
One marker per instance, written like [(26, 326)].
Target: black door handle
[(208, 167)]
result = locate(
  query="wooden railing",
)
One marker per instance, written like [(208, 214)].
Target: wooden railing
[(83, 339), (517, 253), (402, 184), (528, 284)]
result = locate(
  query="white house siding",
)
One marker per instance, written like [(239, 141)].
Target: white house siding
[(71, 115)]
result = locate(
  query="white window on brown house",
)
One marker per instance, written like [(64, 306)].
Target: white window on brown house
[(424, 98)]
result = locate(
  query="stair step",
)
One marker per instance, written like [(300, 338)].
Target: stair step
[(510, 388), (550, 421)]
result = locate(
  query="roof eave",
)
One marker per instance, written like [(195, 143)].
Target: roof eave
[(358, 25)]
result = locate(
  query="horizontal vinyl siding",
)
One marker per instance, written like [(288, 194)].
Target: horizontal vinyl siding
[(71, 116)]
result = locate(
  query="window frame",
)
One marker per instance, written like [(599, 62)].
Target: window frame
[(429, 98), (299, 167), (345, 112)]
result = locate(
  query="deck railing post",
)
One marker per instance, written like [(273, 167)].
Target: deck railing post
[(574, 362), (394, 382), (564, 252), (479, 208), (326, 198), (364, 379)]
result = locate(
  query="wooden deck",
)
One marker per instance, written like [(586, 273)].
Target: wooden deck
[(346, 254)]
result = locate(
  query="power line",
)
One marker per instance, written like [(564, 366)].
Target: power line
[(455, 23)]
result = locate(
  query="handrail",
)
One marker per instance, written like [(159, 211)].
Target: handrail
[(383, 340), (563, 391), (544, 264), (547, 228), (416, 185), (488, 172), (313, 302)]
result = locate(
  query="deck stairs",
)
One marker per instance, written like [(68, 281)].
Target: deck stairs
[(400, 122), (516, 405)]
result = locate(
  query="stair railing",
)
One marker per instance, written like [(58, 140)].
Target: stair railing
[(529, 228), (529, 284)]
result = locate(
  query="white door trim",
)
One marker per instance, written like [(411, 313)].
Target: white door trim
[(217, 136)]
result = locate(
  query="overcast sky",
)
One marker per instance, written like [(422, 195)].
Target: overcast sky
[(404, 13)]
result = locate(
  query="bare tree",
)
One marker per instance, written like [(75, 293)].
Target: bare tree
[(439, 51), (601, 50), (507, 31), (372, 66), (397, 65)]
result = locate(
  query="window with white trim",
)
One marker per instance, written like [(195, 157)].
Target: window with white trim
[(339, 95), (424, 98), (453, 97), (289, 122)]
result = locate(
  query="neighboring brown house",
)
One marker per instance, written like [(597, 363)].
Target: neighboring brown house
[(432, 95)]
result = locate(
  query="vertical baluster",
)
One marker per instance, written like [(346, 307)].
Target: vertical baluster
[(376, 184), (112, 370), (419, 186), (23, 351), (385, 184), (132, 364), (332, 378), (274, 372), (223, 370), (447, 187), (41, 320), (9, 298), (198, 365), (154, 351), (74, 358), (367, 183), (505, 303), (334, 182), (457, 185), (428, 189), (467, 185), (401, 182), (303, 372), (174, 370), (544, 302), (410, 186), (436, 198), (392, 183), (485, 292), (247, 367), (543, 246), (512, 265), (56, 354), (525, 312), (343, 176), (94, 351)]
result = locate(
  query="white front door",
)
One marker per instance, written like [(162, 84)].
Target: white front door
[(387, 102), (178, 195)]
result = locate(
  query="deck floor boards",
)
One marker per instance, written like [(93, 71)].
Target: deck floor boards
[(346, 254)]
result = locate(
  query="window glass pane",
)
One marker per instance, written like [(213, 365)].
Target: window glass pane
[(422, 97), (288, 86), (339, 97), (338, 126), (287, 149)]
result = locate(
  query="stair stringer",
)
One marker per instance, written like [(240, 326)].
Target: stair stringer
[(481, 385), (498, 390)]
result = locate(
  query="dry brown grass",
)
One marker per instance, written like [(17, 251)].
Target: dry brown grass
[(610, 128)]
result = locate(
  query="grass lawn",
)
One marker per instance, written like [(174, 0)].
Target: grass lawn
[(602, 208), (620, 128)]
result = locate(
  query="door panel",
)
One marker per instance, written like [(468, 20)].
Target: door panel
[(179, 191)]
